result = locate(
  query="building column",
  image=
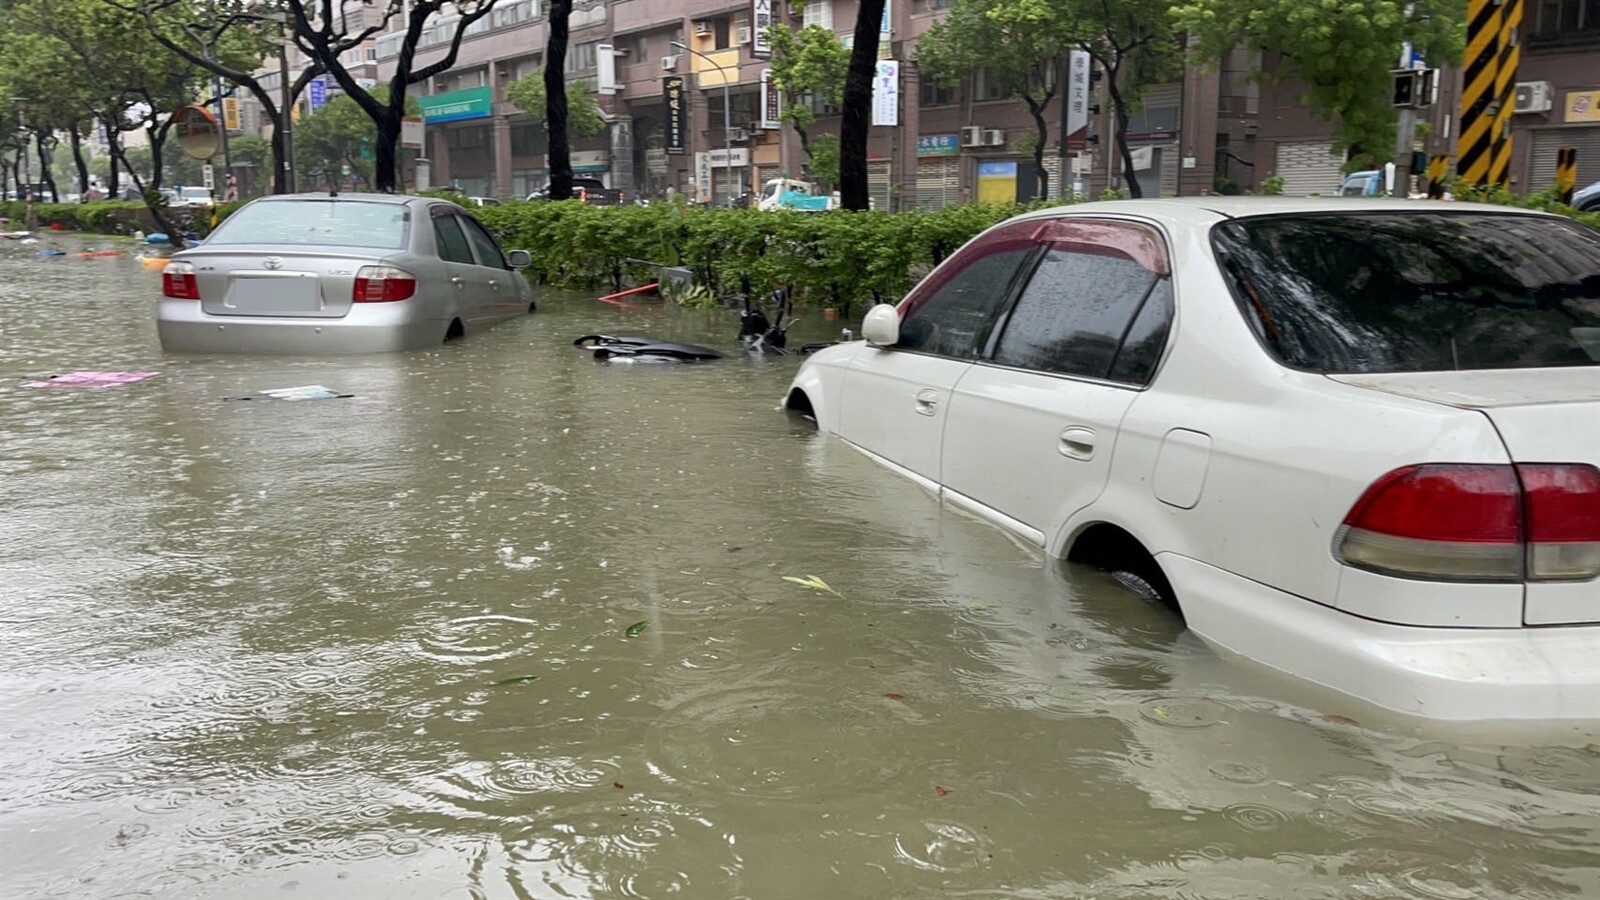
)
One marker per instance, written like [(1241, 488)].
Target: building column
[(439, 138), (910, 128), (622, 174), (502, 157)]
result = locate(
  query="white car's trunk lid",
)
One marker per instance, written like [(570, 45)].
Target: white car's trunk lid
[(1542, 416), (246, 281)]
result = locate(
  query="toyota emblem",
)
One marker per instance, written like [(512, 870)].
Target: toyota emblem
[(273, 262)]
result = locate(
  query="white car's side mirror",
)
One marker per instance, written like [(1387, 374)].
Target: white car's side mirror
[(519, 259), (881, 326)]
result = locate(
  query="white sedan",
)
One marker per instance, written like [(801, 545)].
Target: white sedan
[(1353, 440)]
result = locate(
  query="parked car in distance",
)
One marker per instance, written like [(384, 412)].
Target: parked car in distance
[(356, 273), (479, 201), (190, 196), (1362, 184), (592, 191), (1354, 440), (1587, 199)]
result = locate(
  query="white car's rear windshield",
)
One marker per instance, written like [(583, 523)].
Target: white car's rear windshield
[(350, 223), (1416, 292)]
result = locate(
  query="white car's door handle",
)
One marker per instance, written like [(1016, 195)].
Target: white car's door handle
[(455, 280), (927, 402), (494, 284), (1077, 443)]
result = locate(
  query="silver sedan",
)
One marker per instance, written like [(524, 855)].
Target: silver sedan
[(354, 273)]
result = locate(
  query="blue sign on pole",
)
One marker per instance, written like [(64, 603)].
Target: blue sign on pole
[(317, 93)]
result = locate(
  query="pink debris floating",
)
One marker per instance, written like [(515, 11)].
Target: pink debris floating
[(90, 379)]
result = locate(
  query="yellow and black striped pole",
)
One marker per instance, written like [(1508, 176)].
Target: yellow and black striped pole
[(1475, 146), (1438, 167), (1566, 172), (1505, 90)]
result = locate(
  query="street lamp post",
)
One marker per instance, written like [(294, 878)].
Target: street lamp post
[(727, 120)]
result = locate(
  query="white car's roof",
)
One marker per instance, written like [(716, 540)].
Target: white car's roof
[(1207, 210)]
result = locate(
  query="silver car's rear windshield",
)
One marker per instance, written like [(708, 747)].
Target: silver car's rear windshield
[(1416, 292), (349, 223)]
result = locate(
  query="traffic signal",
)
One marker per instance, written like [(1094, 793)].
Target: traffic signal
[(1407, 89)]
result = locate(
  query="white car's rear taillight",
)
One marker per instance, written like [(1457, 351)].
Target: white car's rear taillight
[(177, 281), (382, 284), (1468, 522)]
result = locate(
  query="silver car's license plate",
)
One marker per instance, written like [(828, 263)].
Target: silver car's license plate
[(267, 296)]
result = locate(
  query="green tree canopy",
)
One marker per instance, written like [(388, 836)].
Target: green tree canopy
[(1341, 52), (341, 134), (583, 111), (806, 64), (1022, 54)]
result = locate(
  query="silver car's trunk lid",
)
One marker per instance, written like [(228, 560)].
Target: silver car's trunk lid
[(246, 280), (1543, 416)]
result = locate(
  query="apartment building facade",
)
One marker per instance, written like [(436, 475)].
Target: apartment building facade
[(703, 61), (1557, 105)]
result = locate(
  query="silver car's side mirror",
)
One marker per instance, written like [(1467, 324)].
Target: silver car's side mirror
[(881, 327), (519, 259)]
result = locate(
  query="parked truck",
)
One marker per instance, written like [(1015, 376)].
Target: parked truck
[(787, 193)]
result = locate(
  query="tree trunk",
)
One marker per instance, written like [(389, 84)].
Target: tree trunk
[(1041, 175), (45, 174), (555, 102), (385, 179), (113, 179), (1121, 111), (77, 157), (857, 100)]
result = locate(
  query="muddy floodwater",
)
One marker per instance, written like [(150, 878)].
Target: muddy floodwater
[(512, 623)]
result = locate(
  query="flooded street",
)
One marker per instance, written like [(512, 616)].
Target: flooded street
[(512, 623)]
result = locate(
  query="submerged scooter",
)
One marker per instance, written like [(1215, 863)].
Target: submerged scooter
[(758, 334)]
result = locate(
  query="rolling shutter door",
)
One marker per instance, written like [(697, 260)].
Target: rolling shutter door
[(938, 182), (1309, 167), (1546, 143), (878, 185)]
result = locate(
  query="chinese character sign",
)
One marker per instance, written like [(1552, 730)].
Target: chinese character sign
[(938, 145), (317, 94), (886, 93), (677, 115), (771, 104), (760, 21), (1077, 92)]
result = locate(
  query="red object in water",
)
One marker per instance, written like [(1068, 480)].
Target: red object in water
[(55, 226), (631, 291)]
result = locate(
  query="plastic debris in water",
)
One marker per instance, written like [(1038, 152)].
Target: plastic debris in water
[(90, 379), (304, 392)]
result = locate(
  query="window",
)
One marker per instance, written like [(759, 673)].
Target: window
[(581, 57), (448, 237), (986, 86), (1434, 292), (638, 47), (818, 12), (935, 94), (950, 313), (721, 28), (371, 54), (350, 223), (1089, 288), (1564, 21), (488, 251)]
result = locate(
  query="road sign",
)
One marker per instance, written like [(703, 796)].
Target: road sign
[(317, 94), (208, 177)]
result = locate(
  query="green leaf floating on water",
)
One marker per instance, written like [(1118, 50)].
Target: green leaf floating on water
[(521, 679), (637, 629), (813, 583)]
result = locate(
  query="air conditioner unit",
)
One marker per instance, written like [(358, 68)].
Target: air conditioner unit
[(1533, 96), (738, 134), (669, 63), (702, 26), (993, 137), (971, 136)]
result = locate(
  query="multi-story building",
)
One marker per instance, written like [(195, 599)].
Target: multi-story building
[(1189, 135), (1557, 105), (1216, 129)]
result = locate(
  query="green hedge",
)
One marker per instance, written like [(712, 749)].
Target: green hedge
[(837, 259)]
